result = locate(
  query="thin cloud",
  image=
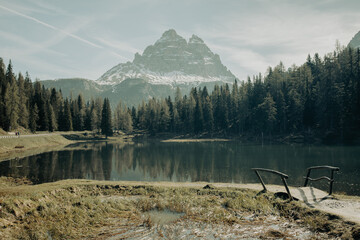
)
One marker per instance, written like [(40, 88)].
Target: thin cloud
[(51, 27), (121, 46), (31, 47)]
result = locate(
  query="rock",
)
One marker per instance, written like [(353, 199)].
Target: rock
[(356, 233), (209, 186)]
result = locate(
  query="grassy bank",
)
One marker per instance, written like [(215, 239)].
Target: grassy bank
[(77, 209), (26, 146), (304, 138), (23, 146)]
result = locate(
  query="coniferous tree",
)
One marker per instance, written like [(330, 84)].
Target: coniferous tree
[(33, 118), (2, 93), (208, 115), (106, 125), (11, 100), (40, 101), (52, 118), (98, 111), (176, 121), (141, 116), (198, 117), (122, 118), (56, 102), (268, 114), (67, 118), (165, 118), (128, 123), (88, 116), (134, 116), (23, 118), (78, 107)]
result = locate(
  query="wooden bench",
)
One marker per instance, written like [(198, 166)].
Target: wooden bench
[(330, 180), (283, 177)]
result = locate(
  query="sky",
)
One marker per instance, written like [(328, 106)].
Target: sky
[(84, 38)]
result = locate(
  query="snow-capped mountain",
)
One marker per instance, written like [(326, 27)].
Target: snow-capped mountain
[(172, 61)]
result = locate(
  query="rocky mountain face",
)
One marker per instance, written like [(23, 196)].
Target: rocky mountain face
[(171, 62), (355, 41)]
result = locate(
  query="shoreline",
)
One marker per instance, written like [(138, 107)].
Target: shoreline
[(32, 144), (102, 209), (27, 145)]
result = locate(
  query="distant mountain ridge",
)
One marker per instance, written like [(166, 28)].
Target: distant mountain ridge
[(355, 41), (172, 61), (73, 86)]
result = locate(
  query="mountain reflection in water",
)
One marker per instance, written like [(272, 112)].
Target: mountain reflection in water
[(195, 161)]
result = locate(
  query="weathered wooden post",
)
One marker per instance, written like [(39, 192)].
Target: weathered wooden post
[(282, 175)]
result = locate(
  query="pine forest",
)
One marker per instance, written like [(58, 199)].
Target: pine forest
[(319, 98)]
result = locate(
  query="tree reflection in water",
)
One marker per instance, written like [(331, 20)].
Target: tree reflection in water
[(199, 161)]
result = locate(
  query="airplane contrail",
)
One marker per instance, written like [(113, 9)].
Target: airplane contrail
[(51, 26)]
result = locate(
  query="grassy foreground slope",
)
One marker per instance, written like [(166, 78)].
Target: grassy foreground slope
[(79, 209)]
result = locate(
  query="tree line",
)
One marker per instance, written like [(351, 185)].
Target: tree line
[(31, 106), (320, 97)]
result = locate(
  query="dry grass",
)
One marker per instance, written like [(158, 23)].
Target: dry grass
[(75, 209)]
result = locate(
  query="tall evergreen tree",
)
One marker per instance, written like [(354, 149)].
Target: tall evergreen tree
[(23, 104), (67, 118), (2, 93), (208, 115), (11, 100), (122, 118), (106, 125), (51, 117), (198, 117), (33, 118)]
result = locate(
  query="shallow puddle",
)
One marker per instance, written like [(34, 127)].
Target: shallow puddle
[(163, 217)]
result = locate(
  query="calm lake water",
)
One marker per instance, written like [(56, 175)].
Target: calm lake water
[(182, 162)]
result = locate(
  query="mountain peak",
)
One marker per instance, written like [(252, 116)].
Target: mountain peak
[(172, 61), (170, 36), (195, 39), (170, 33)]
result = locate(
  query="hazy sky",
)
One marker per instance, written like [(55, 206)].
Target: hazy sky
[(84, 38)]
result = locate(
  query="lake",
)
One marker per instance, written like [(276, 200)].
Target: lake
[(182, 162)]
